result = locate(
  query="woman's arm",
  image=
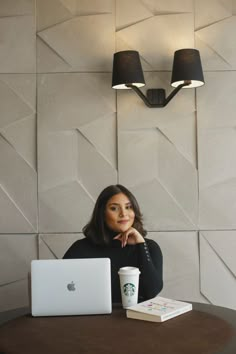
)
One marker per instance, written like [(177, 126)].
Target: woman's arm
[(149, 260), (151, 268)]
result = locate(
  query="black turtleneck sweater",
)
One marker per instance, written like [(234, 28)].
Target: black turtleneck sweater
[(146, 256)]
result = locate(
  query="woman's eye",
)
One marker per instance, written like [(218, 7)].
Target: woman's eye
[(114, 208), (129, 207)]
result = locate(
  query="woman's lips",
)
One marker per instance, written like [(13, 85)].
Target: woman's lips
[(123, 221)]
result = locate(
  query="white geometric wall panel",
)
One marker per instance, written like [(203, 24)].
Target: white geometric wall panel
[(16, 253), (77, 147), (215, 23), (181, 268), (54, 246), (176, 31), (18, 178), (134, 11), (17, 7), (211, 11), (218, 267), (157, 157), (17, 28), (216, 147), (75, 36)]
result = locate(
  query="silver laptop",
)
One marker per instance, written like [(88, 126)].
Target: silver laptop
[(71, 287)]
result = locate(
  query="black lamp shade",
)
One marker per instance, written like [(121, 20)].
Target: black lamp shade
[(187, 67), (127, 70)]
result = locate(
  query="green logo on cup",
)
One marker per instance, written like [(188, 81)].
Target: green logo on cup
[(129, 289)]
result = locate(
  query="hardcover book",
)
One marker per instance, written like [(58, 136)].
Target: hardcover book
[(158, 309)]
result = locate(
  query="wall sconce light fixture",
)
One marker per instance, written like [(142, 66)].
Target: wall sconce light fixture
[(128, 74)]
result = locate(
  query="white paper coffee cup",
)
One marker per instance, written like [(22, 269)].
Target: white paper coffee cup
[(129, 281)]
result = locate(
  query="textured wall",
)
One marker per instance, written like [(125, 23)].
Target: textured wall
[(65, 135)]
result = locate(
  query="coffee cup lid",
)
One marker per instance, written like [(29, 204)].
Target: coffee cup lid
[(128, 271)]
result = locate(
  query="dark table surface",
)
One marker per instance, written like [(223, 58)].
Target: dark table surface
[(207, 329)]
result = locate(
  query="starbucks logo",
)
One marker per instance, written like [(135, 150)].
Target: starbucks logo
[(129, 289)]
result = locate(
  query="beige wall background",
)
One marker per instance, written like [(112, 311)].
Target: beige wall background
[(65, 135)]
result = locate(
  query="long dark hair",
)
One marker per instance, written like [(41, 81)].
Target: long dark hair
[(96, 229)]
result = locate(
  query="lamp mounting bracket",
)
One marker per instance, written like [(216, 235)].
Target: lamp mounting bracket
[(156, 96)]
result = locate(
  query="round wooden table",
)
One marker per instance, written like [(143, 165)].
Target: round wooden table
[(207, 329)]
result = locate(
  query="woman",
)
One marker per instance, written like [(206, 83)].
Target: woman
[(116, 231)]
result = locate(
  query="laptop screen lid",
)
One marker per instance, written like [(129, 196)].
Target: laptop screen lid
[(71, 287)]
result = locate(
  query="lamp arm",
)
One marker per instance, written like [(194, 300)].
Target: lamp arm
[(175, 91), (141, 95), (159, 99)]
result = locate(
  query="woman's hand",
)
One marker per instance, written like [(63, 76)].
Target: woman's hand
[(129, 237)]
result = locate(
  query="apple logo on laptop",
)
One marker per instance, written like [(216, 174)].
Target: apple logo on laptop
[(71, 286)]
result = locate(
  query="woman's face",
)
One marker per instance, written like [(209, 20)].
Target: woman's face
[(119, 214)]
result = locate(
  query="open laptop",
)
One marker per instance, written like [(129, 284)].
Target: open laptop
[(71, 287)]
